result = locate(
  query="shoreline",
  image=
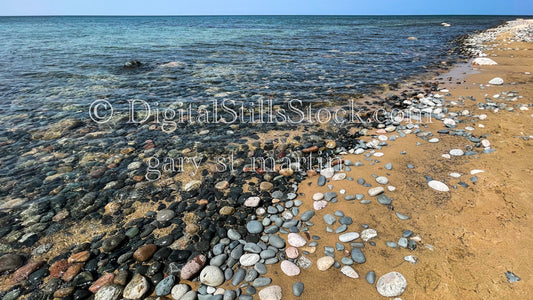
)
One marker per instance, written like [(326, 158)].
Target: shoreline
[(315, 275)]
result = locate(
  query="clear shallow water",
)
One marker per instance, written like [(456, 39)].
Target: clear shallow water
[(48, 64), (52, 68)]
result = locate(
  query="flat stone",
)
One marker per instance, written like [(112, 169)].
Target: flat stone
[(145, 252), (289, 268), (10, 262), (382, 180), (164, 287), (358, 256), (165, 215), (496, 81), (392, 284), (371, 277), (376, 191), (439, 186), (384, 199), (457, 152), (252, 202), (249, 259), (104, 280), (484, 61), (329, 219), (349, 272), (327, 172), (348, 237), (292, 252)]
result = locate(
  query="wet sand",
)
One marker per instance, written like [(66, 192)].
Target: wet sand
[(469, 236)]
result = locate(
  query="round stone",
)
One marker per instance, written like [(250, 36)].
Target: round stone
[(145, 252), (136, 288), (325, 263), (211, 276), (457, 152), (392, 284), (439, 186), (254, 227), (382, 180), (252, 202), (289, 268), (318, 196)]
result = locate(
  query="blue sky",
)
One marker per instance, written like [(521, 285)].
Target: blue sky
[(264, 7)]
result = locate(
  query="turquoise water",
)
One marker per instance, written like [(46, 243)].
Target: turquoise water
[(47, 63)]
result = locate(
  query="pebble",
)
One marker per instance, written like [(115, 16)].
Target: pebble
[(306, 216), (350, 272), (438, 185), (382, 180), (23, 272), (261, 281), (272, 292), (193, 266), (348, 237), (10, 262), (289, 268), (164, 287), (325, 263), (338, 176), (297, 289), (296, 240), (101, 282), (329, 219), (109, 292), (496, 81), (249, 259), (136, 288), (376, 191), (145, 252), (212, 276), (327, 172), (384, 199), (254, 227), (165, 215), (368, 234), (304, 262), (252, 202), (457, 152), (358, 256), (291, 252), (318, 196), (511, 277), (371, 277), (276, 241), (392, 284)]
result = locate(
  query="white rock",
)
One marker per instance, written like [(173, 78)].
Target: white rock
[(272, 292), (448, 121), (296, 240), (211, 276), (474, 172), (383, 138), (391, 284), (350, 272), (457, 152), (136, 288), (327, 172), (338, 176), (446, 155), (376, 191), (484, 61), (318, 205), (382, 180), (455, 175), (378, 154), (318, 196), (482, 117), (359, 151), (289, 268), (391, 188), (496, 81), (411, 259), (368, 234), (325, 263), (439, 186), (249, 259), (252, 202), (433, 140), (348, 237), (485, 143), (179, 290), (109, 292)]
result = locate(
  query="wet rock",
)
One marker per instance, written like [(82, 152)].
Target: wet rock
[(136, 288), (145, 252), (101, 282), (109, 292), (10, 262), (79, 257), (192, 267), (23, 272), (164, 287)]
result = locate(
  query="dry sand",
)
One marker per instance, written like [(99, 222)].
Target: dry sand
[(469, 236)]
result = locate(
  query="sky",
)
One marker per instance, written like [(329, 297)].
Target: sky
[(264, 7)]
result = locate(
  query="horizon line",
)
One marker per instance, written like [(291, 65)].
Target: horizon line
[(268, 15)]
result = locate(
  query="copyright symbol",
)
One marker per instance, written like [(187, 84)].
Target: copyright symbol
[(101, 111)]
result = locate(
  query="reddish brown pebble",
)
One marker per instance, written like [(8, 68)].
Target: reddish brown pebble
[(25, 271), (61, 293), (192, 267), (71, 272), (79, 257), (58, 268), (311, 173), (310, 149), (145, 252), (101, 282)]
